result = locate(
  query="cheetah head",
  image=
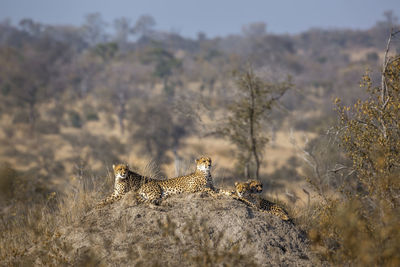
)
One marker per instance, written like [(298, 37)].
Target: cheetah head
[(255, 186), (242, 188), (245, 188), (121, 171), (203, 163)]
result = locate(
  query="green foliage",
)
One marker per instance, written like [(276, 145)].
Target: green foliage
[(106, 51), (248, 114), (92, 116), (75, 119), (165, 64), (90, 113)]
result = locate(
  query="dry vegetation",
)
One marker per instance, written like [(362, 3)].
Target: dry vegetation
[(74, 101), (357, 221)]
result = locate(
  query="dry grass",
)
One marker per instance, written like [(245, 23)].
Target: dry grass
[(199, 249), (30, 227), (346, 232), (31, 221), (30, 233)]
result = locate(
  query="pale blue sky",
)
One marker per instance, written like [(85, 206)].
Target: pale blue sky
[(214, 17)]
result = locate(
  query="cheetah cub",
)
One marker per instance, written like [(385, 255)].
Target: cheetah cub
[(125, 181), (253, 186), (245, 192), (200, 180)]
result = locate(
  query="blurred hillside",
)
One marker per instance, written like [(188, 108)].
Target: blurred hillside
[(75, 100)]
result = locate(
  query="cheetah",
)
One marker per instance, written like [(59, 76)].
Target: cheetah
[(200, 180), (125, 181), (252, 186), (245, 192)]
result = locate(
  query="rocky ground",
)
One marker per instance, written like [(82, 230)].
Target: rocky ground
[(186, 230)]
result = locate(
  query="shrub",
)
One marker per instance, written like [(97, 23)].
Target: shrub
[(248, 116), (29, 231), (47, 127), (75, 119), (360, 223), (92, 116), (8, 177), (21, 117)]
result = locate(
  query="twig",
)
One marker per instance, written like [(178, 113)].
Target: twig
[(338, 169), (385, 63)]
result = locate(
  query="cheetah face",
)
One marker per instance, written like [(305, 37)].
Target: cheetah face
[(203, 163), (255, 186), (242, 188), (121, 171), (245, 188)]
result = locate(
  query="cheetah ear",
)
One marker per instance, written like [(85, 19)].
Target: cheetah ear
[(114, 166), (197, 160), (236, 183)]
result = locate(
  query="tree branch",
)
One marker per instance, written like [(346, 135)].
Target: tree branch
[(385, 64)]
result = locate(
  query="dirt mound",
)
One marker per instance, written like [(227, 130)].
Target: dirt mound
[(186, 230)]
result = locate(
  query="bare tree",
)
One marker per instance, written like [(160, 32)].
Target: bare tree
[(247, 116), (254, 29), (123, 29), (144, 25), (30, 71), (163, 130), (31, 27), (94, 29)]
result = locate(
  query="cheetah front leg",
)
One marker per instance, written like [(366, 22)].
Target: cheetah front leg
[(216, 192), (109, 200), (224, 192), (249, 203)]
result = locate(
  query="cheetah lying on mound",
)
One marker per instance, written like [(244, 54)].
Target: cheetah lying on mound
[(151, 190), (245, 192), (253, 186), (200, 180), (125, 181)]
